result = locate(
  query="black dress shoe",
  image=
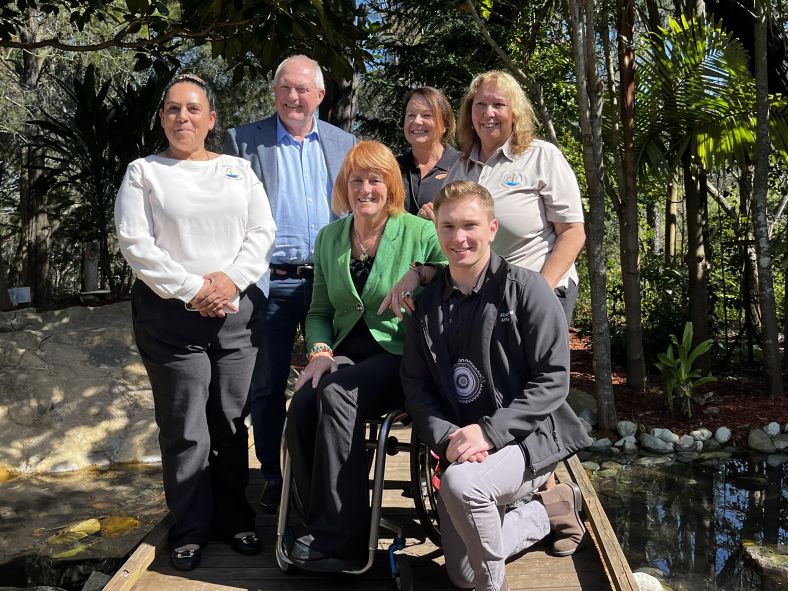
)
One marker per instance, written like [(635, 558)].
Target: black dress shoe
[(272, 492), (307, 557), (186, 559), (248, 544)]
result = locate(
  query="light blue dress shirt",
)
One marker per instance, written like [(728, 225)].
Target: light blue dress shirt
[(303, 204)]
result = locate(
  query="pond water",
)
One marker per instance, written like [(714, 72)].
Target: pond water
[(684, 519), (688, 519), (56, 529)]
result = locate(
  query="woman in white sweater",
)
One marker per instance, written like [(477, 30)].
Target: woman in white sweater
[(197, 230)]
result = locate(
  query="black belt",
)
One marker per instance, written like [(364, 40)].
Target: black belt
[(292, 271)]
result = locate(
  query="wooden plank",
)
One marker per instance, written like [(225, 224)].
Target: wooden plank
[(536, 570), (619, 572), (141, 558)]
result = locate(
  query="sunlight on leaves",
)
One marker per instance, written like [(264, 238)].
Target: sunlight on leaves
[(118, 524)]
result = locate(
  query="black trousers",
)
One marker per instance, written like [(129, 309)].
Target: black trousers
[(325, 440), (199, 370)]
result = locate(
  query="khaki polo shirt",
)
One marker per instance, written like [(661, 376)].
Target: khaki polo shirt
[(530, 191)]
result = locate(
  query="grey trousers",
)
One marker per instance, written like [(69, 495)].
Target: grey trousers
[(199, 370), (477, 534)]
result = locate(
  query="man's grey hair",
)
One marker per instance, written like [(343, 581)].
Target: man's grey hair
[(319, 83)]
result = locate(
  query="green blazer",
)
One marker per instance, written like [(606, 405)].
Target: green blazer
[(336, 306)]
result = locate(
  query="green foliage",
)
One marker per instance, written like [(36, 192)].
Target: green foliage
[(252, 36), (89, 146), (679, 380), (695, 92)]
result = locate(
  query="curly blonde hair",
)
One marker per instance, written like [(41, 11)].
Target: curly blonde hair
[(523, 117)]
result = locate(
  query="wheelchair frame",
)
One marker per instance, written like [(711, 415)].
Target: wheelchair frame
[(421, 489)]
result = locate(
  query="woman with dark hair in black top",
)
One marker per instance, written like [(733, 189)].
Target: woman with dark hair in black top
[(429, 127)]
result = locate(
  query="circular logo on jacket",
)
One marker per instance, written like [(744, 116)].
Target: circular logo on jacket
[(513, 179), (231, 172), (467, 381)]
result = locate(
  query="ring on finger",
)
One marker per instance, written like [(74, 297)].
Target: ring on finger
[(405, 294)]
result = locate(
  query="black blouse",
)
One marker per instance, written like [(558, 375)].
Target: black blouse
[(419, 191)]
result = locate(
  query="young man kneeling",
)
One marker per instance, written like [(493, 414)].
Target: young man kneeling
[(486, 375)]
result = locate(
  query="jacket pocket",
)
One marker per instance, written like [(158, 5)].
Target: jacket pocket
[(542, 444)]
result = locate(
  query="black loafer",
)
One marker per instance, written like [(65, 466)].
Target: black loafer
[(248, 544), (269, 500), (186, 559)]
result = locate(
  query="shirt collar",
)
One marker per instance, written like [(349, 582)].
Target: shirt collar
[(444, 163), (281, 131), (504, 151), (449, 289)]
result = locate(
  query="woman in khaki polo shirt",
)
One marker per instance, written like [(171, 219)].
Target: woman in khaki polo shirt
[(537, 199)]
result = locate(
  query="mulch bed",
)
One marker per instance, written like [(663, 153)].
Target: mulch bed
[(737, 402)]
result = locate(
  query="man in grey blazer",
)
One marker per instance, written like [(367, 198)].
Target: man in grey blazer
[(297, 157)]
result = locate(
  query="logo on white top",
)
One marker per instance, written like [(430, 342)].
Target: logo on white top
[(231, 173), (513, 179)]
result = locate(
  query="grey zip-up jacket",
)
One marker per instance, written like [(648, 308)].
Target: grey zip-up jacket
[(525, 335)]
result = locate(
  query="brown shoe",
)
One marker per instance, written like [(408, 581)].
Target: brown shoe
[(563, 504)]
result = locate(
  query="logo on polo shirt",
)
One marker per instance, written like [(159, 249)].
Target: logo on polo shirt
[(441, 175), (468, 381), (512, 179), (231, 173)]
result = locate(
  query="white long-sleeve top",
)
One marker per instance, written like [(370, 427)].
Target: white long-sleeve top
[(178, 220)]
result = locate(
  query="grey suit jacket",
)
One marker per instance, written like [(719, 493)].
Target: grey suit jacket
[(256, 142)]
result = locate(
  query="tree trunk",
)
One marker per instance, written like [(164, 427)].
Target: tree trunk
[(630, 264), (696, 258), (589, 100), (90, 266), (671, 215), (769, 342), (340, 103), (750, 291), (33, 251)]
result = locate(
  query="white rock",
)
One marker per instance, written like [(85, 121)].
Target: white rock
[(780, 441), (623, 440), (74, 389), (626, 428), (586, 425), (649, 461), (785, 429), (590, 466), (758, 440), (772, 429), (647, 582), (723, 435), (601, 444), (665, 435), (652, 443), (702, 434), (686, 443), (629, 447)]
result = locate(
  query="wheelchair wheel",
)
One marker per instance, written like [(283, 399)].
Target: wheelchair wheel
[(424, 494)]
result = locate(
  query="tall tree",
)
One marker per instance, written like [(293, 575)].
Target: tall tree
[(580, 16), (628, 218), (771, 349)]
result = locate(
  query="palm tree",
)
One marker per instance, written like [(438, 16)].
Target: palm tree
[(89, 146), (697, 111)]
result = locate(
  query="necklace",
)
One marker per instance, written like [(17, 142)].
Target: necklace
[(364, 254)]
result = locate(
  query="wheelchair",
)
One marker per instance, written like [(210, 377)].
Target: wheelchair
[(380, 444)]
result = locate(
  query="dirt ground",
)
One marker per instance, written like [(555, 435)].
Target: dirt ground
[(737, 402)]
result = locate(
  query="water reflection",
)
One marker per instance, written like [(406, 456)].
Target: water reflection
[(123, 504), (688, 519)]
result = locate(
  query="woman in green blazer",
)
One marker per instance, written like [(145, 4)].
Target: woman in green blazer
[(354, 353)]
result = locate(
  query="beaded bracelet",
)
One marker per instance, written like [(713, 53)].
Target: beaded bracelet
[(319, 348)]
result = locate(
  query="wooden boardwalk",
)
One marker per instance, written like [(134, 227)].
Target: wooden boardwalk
[(599, 566)]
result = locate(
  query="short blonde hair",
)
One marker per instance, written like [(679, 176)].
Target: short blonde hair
[(523, 117), (464, 191), (375, 157)]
